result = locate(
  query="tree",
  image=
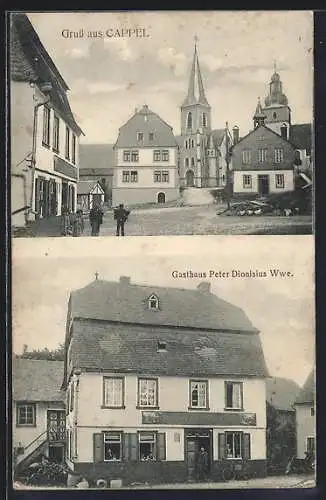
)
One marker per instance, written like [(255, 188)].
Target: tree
[(280, 438), (46, 354)]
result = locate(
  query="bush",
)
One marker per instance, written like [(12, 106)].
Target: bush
[(46, 473)]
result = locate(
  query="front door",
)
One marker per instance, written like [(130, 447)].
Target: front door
[(194, 441), (263, 184), (56, 426), (190, 177), (161, 198)]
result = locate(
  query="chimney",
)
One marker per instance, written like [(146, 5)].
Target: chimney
[(235, 134), (204, 287), (125, 280)]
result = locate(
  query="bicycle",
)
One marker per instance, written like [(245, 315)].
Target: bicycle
[(235, 472)]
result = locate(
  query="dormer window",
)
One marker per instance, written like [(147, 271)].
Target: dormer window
[(161, 346), (153, 303)]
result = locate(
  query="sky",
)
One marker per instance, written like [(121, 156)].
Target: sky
[(109, 77), (45, 271)]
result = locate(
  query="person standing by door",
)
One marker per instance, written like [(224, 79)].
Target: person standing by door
[(121, 216), (202, 464), (95, 219)]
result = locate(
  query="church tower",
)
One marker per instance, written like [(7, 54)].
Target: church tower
[(195, 130), (259, 116), (277, 110)]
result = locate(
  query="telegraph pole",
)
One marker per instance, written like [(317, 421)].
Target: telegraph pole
[(227, 160)]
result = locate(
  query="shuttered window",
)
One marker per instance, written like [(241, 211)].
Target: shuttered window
[(131, 446), (233, 445)]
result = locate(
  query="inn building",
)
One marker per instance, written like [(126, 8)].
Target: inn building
[(44, 133), (152, 374)]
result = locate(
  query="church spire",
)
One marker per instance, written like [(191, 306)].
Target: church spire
[(196, 92), (276, 95), (259, 116)]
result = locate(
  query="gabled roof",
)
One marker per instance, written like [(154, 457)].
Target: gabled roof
[(282, 393), (85, 187), (36, 380), (98, 157), (98, 346), (307, 393), (30, 62), (127, 303), (146, 122), (301, 135), (268, 130)]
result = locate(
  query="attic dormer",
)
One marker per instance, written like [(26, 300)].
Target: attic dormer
[(153, 302)]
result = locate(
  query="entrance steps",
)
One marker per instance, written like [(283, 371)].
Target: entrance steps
[(192, 196)]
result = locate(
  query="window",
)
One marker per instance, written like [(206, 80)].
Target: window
[(233, 444), (147, 446), (189, 120), (147, 392), (192, 161), (134, 156), (247, 181), (56, 135), (279, 155), (140, 136), (187, 162), (26, 414), (279, 180), (134, 176), (165, 176), (151, 136), (153, 302), (192, 143), (274, 115), (311, 445), (112, 446), (262, 155), (157, 155), (161, 346), (204, 120), (157, 176), (186, 144), (199, 394), (113, 392), (246, 156), (46, 125), (126, 156), (73, 159), (233, 395), (312, 411), (125, 176), (67, 149), (165, 155)]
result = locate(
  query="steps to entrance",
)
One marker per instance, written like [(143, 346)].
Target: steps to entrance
[(197, 196)]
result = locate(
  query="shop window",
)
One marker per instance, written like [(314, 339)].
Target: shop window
[(112, 446), (147, 446)]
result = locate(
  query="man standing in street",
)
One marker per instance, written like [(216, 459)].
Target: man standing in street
[(121, 216), (202, 464), (95, 219)]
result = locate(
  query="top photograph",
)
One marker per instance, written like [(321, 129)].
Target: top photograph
[(160, 123)]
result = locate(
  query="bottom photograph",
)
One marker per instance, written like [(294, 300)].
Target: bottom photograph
[(143, 372)]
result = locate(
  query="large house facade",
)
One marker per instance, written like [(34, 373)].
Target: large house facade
[(146, 161), (152, 374), (38, 412), (44, 133)]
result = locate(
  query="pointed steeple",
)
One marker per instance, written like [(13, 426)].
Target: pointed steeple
[(259, 116), (196, 92)]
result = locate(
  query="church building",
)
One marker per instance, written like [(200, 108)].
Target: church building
[(202, 150)]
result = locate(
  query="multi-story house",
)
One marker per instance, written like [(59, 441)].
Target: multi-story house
[(202, 150), (44, 132), (38, 414), (305, 418), (146, 161), (262, 161), (153, 374)]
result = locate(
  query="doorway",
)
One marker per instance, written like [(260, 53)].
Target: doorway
[(57, 452), (194, 440), (56, 424), (190, 178), (161, 198), (263, 185)]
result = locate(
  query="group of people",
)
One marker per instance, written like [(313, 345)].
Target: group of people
[(73, 223)]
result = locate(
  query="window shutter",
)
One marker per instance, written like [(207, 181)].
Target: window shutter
[(221, 446), (133, 447), (37, 195), (161, 446), (98, 447), (246, 446), (126, 447)]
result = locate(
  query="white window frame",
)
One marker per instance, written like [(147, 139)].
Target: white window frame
[(25, 406), (246, 156), (145, 388), (156, 155), (279, 155), (238, 384), (153, 441), (107, 439), (113, 392), (165, 155), (262, 155), (126, 155), (201, 384), (140, 136), (125, 176), (135, 155), (247, 177), (134, 176), (240, 433), (279, 181)]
